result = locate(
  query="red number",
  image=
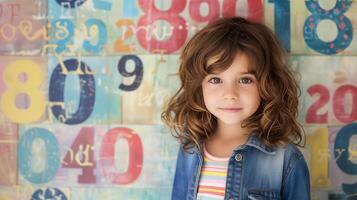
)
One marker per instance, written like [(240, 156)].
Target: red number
[(81, 155), (339, 105), (312, 116), (152, 14), (195, 13), (255, 9), (107, 155)]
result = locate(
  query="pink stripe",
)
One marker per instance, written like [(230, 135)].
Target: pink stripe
[(216, 183), (210, 195)]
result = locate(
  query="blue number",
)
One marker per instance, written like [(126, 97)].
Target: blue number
[(282, 21), (102, 35), (25, 155), (344, 27), (129, 8), (137, 72), (49, 193), (70, 3), (87, 92), (343, 162), (102, 5)]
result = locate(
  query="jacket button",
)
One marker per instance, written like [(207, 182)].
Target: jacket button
[(238, 157)]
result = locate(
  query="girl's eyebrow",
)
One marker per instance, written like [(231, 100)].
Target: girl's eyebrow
[(240, 73), (247, 73)]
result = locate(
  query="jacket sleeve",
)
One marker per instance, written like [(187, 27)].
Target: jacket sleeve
[(179, 189), (296, 185)]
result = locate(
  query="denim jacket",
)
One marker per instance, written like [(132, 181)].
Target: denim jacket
[(255, 172)]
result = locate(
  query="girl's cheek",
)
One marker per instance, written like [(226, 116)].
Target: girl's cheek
[(215, 89)]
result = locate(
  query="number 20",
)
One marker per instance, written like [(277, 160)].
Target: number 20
[(337, 103)]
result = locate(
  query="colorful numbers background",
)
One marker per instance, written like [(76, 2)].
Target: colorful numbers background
[(83, 83)]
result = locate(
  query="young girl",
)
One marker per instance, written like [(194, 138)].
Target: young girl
[(235, 116)]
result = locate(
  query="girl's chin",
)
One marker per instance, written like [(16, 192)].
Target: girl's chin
[(230, 123)]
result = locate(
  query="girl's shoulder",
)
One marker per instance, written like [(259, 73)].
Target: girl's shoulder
[(293, 159), (292, 152), (288, 150)]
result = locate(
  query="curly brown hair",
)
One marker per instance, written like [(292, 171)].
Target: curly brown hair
[(275, 121)]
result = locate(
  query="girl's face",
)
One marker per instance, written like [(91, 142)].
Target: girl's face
[(232, 95)]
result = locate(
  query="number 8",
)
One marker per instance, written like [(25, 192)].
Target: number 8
[(344, 27), (30, 87)]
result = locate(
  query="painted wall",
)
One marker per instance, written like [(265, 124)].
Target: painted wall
[(83, 83)]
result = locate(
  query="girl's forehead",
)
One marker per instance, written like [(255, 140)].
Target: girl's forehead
[(241, 62)]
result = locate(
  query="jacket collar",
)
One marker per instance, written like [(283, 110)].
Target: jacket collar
[(254, 141)]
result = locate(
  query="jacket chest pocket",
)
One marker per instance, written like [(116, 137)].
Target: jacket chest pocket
[(263, 195)]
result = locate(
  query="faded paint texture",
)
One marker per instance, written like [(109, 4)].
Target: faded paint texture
[(83, 84)]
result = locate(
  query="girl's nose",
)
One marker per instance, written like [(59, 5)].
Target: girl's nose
[(230, 92)]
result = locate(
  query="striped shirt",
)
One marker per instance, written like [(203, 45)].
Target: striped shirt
[(212, 181)]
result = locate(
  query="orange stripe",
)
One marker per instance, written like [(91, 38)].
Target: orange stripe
[(211, 192), (211, 187)]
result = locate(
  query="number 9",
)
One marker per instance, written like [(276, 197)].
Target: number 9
[(138, 72)]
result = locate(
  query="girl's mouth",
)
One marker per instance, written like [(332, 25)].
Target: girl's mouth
[(230, 109)]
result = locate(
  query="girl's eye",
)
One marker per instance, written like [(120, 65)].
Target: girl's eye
[(245, 80), (215, 80)]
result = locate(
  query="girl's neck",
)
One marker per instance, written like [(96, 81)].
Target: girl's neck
[(231, 132), (225, 139)]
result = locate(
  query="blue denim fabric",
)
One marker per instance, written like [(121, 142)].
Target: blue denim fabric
[(255, 172)]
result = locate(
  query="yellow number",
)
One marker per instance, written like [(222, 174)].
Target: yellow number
[(318, 142), (4, 198), (30, 87)]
